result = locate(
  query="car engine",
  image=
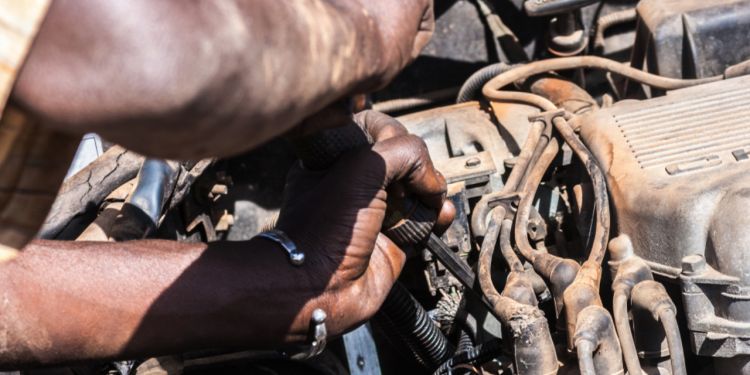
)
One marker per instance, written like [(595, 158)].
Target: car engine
[(675, 174), (598, 156)]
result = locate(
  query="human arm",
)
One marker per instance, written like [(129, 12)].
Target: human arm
[(83, 300), (210, 78)]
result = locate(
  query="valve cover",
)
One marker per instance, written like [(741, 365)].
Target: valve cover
[(678, 172)]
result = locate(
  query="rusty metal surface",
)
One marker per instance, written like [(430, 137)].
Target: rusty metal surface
[(564, 94), (84, 191), (681, 154), (691, 38), (677, 172), (469, 168)]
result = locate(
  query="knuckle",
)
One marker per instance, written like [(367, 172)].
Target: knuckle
[(421, 155), (416, 144), (416, 156)]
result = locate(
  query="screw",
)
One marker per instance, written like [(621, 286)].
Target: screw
[(472, 162), (360, 362)]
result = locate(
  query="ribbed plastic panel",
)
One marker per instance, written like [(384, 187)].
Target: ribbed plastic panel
[(696, 129)]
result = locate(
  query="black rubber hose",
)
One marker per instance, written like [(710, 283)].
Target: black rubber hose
[(475, 356), (465, 343), (472, 87), (407, 325)]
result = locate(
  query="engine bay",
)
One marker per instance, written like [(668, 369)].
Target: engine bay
[(599, 171)]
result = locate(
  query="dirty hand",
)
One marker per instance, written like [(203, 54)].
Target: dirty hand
[(406, 27), (335, 217), (186, 80)]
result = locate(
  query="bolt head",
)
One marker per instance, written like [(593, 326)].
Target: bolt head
[(693, 264), (472, 162)]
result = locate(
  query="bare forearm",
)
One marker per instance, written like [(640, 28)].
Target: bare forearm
[(66, 301), (193, 79)]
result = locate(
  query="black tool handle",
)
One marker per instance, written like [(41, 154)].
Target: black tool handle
[(409, 225)]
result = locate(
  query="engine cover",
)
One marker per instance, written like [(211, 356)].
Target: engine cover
[(678, 171)]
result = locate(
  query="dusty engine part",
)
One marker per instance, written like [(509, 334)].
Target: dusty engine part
[(567, 35), (651, 296), (532, 201), (677, 173), (516, 306), (81, 194), (691, 38), (470, 153), (139, 216), (629, 270), (463, 130), (596, 342)]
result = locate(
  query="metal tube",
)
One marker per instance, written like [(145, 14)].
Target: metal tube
[(601, 232), (524, 207), (507, 250), (524, 157), (486, 252), (415, 102), (579, 62), (481, 209), (520, 97)]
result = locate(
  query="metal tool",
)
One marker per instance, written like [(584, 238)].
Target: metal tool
[(409, 228)]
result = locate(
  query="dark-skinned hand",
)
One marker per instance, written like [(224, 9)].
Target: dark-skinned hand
[(335, 217)]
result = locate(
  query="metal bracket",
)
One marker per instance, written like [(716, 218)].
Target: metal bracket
[(548, 116)]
